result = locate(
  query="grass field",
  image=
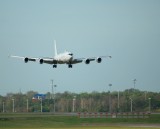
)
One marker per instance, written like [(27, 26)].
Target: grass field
[(33, 121), (90, 128)]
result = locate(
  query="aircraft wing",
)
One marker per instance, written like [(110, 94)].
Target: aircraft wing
[(88, 60), (40, 60), (26, 59), (55, 61)]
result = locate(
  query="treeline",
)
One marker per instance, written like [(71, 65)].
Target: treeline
[(123, 101)]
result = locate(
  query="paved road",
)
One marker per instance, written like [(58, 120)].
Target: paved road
[(125, 125)]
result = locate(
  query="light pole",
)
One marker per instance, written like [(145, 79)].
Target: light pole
[(54, 98), (13, 105), (110, 106), (131, 103), (27, 105), (74, 99), (149, 105), (145, 95), (41, 105), (52, 89), (53, 95), (3, 107), (118, 102), (134, 82)]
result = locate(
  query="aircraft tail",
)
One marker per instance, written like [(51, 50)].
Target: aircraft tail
[(55, 48)]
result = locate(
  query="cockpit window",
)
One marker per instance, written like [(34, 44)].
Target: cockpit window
[(71, 54)]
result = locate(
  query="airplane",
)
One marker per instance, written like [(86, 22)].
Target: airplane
[(62, 58)]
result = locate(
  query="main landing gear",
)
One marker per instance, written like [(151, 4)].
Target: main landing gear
[(69, 66), (54, 66)]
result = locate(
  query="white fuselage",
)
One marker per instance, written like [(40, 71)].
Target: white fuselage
[(63, 58)]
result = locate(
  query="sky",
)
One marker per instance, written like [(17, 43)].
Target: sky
[(128, 30)]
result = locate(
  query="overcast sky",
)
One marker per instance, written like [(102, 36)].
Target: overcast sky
[(128, 30)]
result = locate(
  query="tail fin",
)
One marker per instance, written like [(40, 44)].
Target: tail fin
[(55, 48)]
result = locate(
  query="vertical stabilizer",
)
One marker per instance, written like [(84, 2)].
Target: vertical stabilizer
[(55, 48)]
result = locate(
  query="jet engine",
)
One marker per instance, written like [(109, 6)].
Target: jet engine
[(41, 61), (99, 60), (26, 59), (87, 61)]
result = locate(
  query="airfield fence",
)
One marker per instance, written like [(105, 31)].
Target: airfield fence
[(114, 115)]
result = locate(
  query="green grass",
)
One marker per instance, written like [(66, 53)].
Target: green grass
[(108, 127), (11, 121), (94, 128)]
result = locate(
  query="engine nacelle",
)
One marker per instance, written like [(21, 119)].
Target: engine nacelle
[(87, 61), (26, 59), (99, 60), (41, 61)]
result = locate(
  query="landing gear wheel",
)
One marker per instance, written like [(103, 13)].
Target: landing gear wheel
[(54, 66), (69, 66)]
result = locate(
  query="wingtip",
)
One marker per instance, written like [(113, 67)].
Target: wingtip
[(9, 56)]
